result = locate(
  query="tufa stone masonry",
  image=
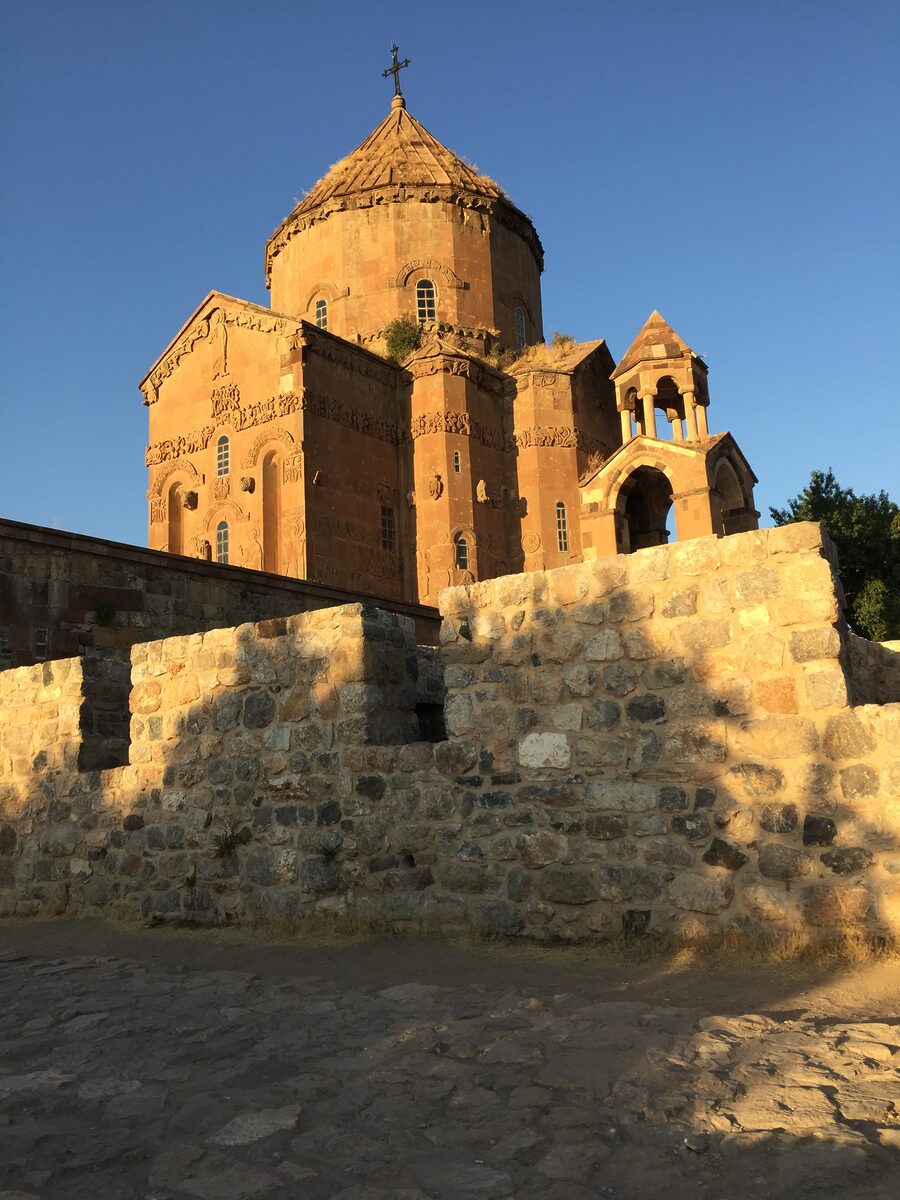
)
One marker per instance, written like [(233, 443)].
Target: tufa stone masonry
[(283, 439)]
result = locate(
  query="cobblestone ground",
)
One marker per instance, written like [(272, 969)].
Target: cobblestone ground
[(175, 1068)]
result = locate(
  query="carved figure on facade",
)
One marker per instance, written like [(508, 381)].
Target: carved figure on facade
[(199, 547), (481, 492), (436, 487), (222, 487), (251, 551), (410, 499), (187, 443), (218, 331), (248, 483), (157, 510), (189, 500)]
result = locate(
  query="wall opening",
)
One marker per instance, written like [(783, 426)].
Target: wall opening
[(176, 520), (642, 510), (271, 498)]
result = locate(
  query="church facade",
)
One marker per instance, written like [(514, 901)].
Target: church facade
[(285, 439)]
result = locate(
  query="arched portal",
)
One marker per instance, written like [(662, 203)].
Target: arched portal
[(176, 519), (271, 499), (642, 510)]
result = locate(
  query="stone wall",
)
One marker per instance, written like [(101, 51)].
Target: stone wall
[(662, 740), (62, 594), (873, 670)]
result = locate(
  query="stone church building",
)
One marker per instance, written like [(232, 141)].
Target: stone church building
[(285, 439)]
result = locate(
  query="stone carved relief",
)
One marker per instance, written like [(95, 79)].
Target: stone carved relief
[(436, 487), (187, 443), (559, 436), (222, 487), (218, 332), (410, 499), (361, 362), (459, 423), (426, 264), (227, 510), (224, 400), (186, 467), (292, 469), (531, 543), (324, 288), (189, 500), (481, 492), (386, 495), (217, 326), (251, 552), (484, 377), (248, 483), (595, 461), (275, 434), (199, 547), (157, 511)]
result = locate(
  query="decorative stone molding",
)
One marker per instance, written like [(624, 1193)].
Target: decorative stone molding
[(248, 483), (228, 510), (275, 434), (485, 207), (187, 443), (401, 279), (560, 436), (335, 349), (324, 288), (460, 423), (163, 476)]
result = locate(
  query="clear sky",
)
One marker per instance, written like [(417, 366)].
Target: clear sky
[(734, 165)]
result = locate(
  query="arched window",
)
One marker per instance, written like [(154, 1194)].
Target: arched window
[(562, 527), (456, 461), (322, 314), (425, 300), (222, 542), (462, 552), (223, 457), (520, 329)]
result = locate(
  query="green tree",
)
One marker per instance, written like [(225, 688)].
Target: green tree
[(866, 532)]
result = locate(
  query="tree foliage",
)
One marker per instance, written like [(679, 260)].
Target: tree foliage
[(866, 532)]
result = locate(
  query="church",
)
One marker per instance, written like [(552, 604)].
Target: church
[(299, 440)]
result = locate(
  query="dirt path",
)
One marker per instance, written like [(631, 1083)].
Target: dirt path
[(158, 1065)]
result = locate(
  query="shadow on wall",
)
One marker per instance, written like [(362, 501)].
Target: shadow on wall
[(658, 741)]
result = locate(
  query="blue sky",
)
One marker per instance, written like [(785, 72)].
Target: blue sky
[(735, 166)]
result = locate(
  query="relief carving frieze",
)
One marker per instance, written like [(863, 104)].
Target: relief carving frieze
[(560, 436), (157, 511), (225, 400), (170, 448), (222, 487)]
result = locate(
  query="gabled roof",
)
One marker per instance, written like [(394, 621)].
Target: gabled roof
[(399, 151), (657, 339), (564, 356)]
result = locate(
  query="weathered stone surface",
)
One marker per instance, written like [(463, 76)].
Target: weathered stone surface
[(259, 710), (692, 826), (778, 737), (847, 737), (646, 708), (777, 861), (545, 750), (561, 886), (848, 860), (701, 893), (818, 830), (724, 854), (838, 906), (540, 848), (859, 781), (605, 827), (629, 883), (779, 818), (619, 795), (251, 1127)]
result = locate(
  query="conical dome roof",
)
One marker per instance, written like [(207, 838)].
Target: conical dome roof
[(657, 339), (399, 151)]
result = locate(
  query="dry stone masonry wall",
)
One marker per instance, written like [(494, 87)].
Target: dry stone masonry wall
[(663, 740)]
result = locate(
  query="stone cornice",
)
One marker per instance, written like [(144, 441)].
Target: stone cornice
[(352, 355), (505, 212)]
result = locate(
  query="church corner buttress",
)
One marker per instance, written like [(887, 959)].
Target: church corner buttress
[(285, 439)]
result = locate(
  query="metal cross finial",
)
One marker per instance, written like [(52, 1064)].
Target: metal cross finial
[(394, 69)]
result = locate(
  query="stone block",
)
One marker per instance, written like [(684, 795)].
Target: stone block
[(779, 818), (847, 737), (619, 795), (496, 918), (722, 853), (777, 861), (778, 737), (580, 679), (701, 893), (776, 695), (826, 688), (667, 853), (681, 604), (756, 586), (664, 673), (646, 708), (545, 750), (619, 679), (638, 884), (630, 604), (606, 826), (541, 847), (605, 646), (693, 826), (459, 713), (766, 903), (559, 885), (698, 556), (859, 781), (699, 742), (848, 860), (809, 645), (838, 907), (469, 878), (708, 633)]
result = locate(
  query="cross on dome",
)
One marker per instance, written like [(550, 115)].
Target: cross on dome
[(394, 69)]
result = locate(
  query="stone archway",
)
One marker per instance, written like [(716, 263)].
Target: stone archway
[(643, 506)]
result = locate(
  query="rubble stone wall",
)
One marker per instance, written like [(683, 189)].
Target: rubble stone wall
[(662, 740), (873, 670)]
